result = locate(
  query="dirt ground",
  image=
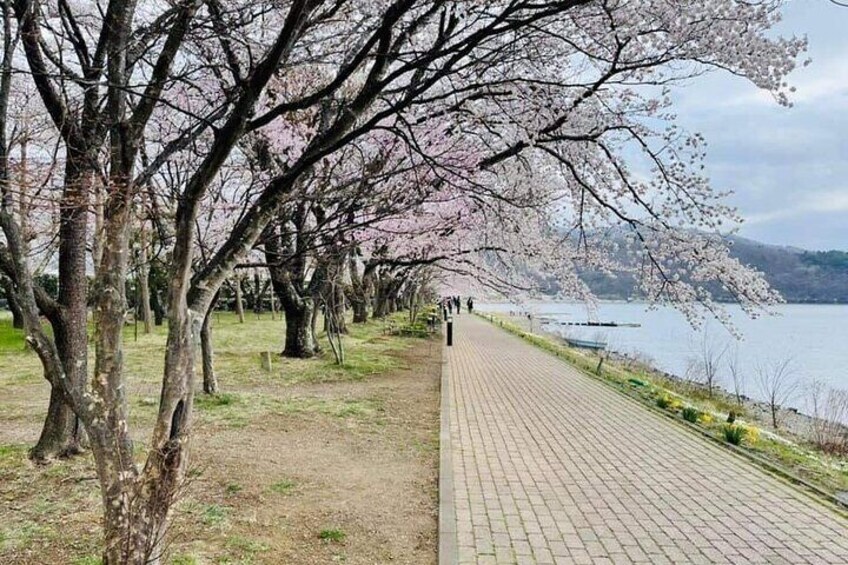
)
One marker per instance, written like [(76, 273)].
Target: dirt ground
[(282, 473)]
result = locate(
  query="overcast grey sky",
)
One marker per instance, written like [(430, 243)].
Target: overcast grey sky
[(787, 166)]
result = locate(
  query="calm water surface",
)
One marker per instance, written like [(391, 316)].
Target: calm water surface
[(815, 337)]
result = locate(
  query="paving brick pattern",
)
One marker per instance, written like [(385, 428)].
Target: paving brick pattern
[(551, 466)]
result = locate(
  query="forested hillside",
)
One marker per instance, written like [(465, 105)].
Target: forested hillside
[(799, 275)]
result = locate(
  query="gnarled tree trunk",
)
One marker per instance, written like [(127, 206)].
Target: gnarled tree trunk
[(360, 310), (61, 434), (360, 291), (300, 341)]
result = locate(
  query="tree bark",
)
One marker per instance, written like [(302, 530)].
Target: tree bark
[(300, 342), (313, 327), (64, 356), (360, 291), (144, 282), (288, 282), (97, 241), (210, 381), (381, 300), (127, 533), (158, 308), (17, 314), (339, 310), (360, 310), (239, 303), (258, 293), (61, 435)]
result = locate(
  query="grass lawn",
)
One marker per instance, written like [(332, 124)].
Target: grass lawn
[(308, 463)]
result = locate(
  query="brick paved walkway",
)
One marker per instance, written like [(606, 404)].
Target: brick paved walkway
[(550, 466)]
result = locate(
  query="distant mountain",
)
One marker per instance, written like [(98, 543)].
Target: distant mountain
[(819, 277), (799, 275)]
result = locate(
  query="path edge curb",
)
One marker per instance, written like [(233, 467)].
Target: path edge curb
[(448, 548)]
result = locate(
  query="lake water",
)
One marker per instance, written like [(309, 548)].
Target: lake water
[(814, 337)]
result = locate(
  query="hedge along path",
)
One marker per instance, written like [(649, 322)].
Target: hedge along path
[(552, 466)]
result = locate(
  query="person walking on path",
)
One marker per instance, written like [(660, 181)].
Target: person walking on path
[(470, 304)]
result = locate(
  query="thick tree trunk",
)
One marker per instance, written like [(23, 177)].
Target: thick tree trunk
[(128, 532), (360, 311), (381, 307), (17, 317), (17, 314), (61, 435), (137, 505), (299, 338), (210, 381), (70, 328)]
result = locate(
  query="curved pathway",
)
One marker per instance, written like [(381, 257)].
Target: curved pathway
[(543, 465)]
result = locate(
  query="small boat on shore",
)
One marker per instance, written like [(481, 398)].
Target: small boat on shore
[(586, 343)]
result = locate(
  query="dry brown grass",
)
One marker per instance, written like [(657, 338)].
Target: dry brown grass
[(277, 458)]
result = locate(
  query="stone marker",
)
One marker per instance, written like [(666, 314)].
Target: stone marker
[(266, 360)]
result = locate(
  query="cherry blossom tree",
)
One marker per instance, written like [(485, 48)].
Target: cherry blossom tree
[(521, 131)]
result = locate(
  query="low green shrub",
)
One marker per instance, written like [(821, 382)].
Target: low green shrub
[(691, 414), (214, 515), (333, 535), (734, 434), (663, 402)]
